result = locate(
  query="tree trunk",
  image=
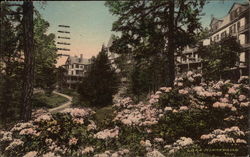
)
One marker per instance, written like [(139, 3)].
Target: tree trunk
[(171, 45), (28, 78)]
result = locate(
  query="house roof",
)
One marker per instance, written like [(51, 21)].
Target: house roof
[(242, 4), (215, 19), (78, 60), (224, 21)]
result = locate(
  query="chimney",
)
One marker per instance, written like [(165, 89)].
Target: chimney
[(80, 59)]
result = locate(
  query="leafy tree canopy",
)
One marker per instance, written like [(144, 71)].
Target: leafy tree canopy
[(220, 56), (151, 27)]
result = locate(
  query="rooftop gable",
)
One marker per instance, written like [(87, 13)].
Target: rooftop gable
[(236, 5), (77, 60), (214, 20)]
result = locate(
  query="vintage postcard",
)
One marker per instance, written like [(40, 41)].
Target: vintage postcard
[(125, 78)]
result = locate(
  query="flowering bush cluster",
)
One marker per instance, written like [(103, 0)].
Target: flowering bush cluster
[(191, 115), (112, 133), (138, 114), (206, 106), (50, 135), (229, 135), (181, 143), (109, 153), (188, 79)]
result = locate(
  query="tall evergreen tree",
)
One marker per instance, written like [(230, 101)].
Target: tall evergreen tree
[(100, 83), (12, 58), (10, 64), (150, 27)]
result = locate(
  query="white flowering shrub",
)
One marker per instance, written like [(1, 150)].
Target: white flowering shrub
[(244, 80), (231, 137), (182, 143), (188, 79), (193, 115), (47, 134)]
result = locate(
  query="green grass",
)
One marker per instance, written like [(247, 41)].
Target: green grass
[(104, 115), (42, 100), (69, 92)]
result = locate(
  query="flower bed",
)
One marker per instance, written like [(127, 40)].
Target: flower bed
[(193, 117)]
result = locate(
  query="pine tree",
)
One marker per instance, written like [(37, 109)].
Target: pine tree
[(10, 67), (151, 27), (100, 83)]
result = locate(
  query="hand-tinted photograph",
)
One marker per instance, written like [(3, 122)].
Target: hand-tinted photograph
[(125, 78)]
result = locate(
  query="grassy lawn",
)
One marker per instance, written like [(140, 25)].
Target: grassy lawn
[(69, 92), (104, 115), (42, 100)]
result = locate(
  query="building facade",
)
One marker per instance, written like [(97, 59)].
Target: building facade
[(236, 23), (189, 59), (76, 68)]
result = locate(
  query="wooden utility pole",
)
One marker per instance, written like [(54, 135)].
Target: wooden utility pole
[(28, 74)]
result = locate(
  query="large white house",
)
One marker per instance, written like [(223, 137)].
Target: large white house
[(235, 23), (75, 69)]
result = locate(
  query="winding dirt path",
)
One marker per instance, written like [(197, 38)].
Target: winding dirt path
[(62, 106)]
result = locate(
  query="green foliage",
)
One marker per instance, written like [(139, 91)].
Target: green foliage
[(131, 136), (146, 27), (140, 82), (41, 100), (45, 50), (174, 99), (187, 123), (11, 67), (100, 83), (219, 57), (146, 76), (11, 58), (59, 129), (104, 116)]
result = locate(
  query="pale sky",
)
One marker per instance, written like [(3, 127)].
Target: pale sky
[(91, 22)]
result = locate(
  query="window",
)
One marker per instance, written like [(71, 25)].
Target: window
[(230, 30), (232, 15), (238, 26), (223, 34), (234, 28), (217, 37), (77, 66), (215, 26), (239, 11), (85, 67)]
